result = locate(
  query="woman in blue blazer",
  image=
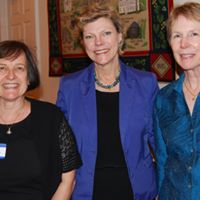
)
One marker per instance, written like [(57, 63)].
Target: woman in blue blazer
[(109, 107)]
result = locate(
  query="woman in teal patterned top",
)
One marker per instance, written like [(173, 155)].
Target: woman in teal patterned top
[(177, 111)]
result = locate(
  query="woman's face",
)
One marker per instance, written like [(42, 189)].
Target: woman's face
[(101, 41), (185, 42), (13, 78)]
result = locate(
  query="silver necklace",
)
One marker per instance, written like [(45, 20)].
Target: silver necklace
[(9, 131)]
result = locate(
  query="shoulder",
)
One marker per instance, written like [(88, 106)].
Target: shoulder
[(76, 77), (140, 82), (166, 91), (43, 108), (145, 82), (166, 96), (139, 75), (174, 86), (72, 84)]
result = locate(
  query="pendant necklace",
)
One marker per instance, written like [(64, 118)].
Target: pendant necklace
[(9, 130), (194, 96), (109, 86), (9, 127)]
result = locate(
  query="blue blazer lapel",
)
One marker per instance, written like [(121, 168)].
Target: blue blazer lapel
[(89, 106), (127, 83)]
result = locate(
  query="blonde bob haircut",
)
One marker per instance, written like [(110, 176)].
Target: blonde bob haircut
[(190, 10)]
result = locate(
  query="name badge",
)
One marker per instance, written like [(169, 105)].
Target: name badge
[(2, 150)]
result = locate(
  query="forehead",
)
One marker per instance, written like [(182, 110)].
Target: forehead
[(100, 24), (184, 24), (21, 58)]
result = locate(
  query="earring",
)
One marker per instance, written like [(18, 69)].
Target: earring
[(120, 47)]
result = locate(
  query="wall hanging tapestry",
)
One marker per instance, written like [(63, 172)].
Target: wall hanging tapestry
[(146, 46)]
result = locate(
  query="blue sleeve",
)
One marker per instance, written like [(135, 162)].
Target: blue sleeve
[(152, 100), (160, 150)]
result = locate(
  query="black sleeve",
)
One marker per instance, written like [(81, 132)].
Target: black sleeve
[(69, 153)]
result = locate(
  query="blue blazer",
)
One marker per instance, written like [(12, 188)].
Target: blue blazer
[(77, 99)]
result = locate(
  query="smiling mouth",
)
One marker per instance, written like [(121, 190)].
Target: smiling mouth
[(186, 56), (10, 85), (103, 51)]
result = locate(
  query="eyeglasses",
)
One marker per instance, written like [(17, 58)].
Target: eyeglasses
[(16, 69)]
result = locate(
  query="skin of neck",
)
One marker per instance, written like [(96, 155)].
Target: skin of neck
[(9, 109), (108, 73), (192, 79)]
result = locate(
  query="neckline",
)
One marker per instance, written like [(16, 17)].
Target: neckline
[(104, 92), (107, 86), (19, 123)]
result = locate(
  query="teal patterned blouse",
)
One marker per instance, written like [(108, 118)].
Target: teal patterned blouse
[(177, 135)]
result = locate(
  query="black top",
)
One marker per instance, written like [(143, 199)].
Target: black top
[(111, 180), (39, 150), (110, 153)]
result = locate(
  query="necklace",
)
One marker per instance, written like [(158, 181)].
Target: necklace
[(9, 131), (194, 96), (100, 84)]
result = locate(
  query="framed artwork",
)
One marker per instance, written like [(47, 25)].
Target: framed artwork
[(145, 46)]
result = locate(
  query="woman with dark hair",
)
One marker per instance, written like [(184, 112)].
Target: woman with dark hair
[(38, 154)]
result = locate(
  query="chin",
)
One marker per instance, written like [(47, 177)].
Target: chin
[(11, 97)]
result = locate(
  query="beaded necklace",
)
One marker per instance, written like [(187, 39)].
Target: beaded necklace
[(116, 81)]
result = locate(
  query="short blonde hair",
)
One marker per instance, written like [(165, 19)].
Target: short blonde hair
[(190, 10), (95, 11)]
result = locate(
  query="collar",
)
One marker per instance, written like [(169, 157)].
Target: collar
[(179, 84)]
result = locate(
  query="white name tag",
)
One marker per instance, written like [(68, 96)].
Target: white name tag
[(2, 150)]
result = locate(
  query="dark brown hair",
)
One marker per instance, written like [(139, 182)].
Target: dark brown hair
[(11, 49)]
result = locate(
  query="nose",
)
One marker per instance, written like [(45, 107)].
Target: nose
[(10, 74), (98, 40), (184, 43)]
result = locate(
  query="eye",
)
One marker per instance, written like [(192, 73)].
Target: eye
[(107, 33), (87, 37), (194, 34), (20, 68), (175, 36), (3, 68)]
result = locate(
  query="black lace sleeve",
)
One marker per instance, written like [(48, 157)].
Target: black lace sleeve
[(69, 153)]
